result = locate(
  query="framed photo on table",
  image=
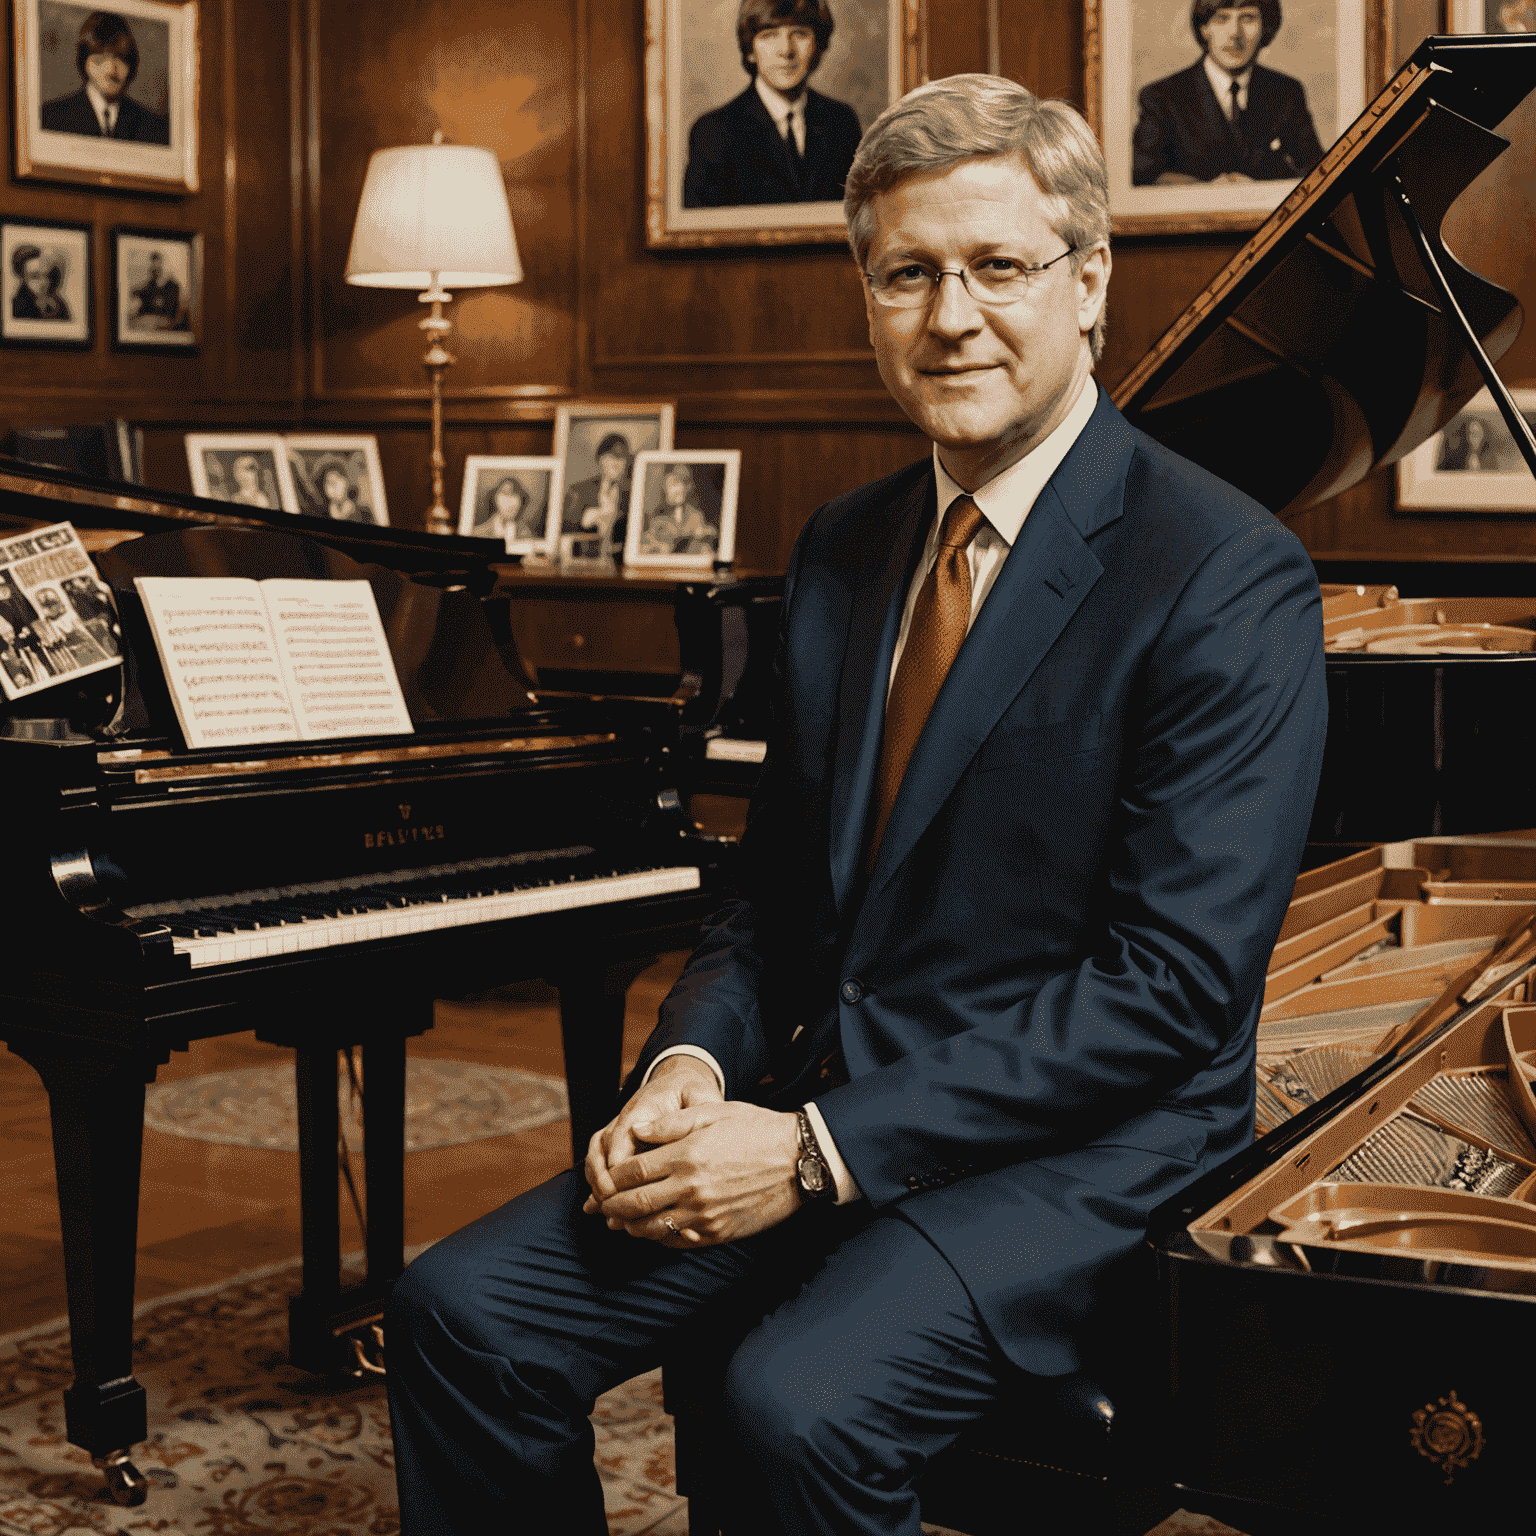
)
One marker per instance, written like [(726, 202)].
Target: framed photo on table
[(682, 509), (516, 500), (338, 475), (48, 289), (719, 169), (1472, 464), (107, 96), (1183, 157), (157, 290), (248, 468), (596, 445)]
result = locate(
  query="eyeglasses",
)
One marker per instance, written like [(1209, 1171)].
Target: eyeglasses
[(993, 280)]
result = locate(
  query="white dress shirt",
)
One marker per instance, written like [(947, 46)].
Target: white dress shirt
[(1221, 83), (1005, 501), (788, 116), (106, 111)]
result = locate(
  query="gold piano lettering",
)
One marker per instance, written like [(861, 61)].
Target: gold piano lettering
[(384, 838)]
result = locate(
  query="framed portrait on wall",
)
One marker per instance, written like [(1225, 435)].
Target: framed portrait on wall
[(596, 445), (338, 475), (751, 122), (514, 499), (1209, 113), (107, 96), (48, 289), (682, 509), (247, 468), (157, 289), (1490, 16), (1472, 464)]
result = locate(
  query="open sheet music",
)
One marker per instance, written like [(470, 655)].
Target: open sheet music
[(248, 662)]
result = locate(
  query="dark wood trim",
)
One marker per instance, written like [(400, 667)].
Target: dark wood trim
[(585, 341), (312, 144), (299, 115), (229, 106)]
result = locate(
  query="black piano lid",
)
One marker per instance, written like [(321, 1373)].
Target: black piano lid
[(50, 495), (1326, 346)]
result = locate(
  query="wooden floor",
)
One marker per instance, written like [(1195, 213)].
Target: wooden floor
[(208, 1211)]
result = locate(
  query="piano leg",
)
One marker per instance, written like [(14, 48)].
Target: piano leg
[(96, 1106), (331, 1330), (592, 1037)]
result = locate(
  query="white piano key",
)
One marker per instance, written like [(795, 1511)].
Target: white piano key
[(328, 933)]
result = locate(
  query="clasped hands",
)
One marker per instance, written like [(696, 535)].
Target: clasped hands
[(679, 1151)]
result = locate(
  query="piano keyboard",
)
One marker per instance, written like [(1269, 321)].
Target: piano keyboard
[(256, 925)]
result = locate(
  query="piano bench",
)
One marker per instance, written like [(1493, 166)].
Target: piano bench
[(1052, 1459)]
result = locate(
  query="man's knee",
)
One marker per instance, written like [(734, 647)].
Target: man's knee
[(784, 1407)]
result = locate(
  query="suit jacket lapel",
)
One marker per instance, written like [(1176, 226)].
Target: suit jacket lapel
[(1047, 574), (873, 625)]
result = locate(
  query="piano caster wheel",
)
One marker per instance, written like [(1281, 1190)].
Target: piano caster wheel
[(126, 1484)]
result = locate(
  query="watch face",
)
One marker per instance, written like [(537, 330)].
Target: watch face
[(813, 1175)]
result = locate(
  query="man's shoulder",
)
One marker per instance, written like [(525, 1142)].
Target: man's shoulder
[(849, 521), (1277, 81), (1179, 86), (830, 110), (727, 119), (1179, 503), (67, 110)]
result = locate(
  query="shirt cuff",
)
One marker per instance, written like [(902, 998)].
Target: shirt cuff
[(847, 1187), (698, 1053)]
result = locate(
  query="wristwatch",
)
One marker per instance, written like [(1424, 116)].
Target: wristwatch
[(811, 1171)]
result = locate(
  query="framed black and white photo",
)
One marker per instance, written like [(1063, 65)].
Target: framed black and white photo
[(753, 109), (157, 287), (682, 509), (48, 287), (596, 445), (1209, 113), (516, 500), (338, 475), (107, 97), (248, 468), (1472, 465)]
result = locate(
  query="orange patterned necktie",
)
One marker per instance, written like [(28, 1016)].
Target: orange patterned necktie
[(940, 618)]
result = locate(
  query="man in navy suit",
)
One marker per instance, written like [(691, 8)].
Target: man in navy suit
[(107, 58), (779, 141), (1048, 724), (1226, 118)]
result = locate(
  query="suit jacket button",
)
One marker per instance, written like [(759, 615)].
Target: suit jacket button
[(851, 990), (914, 1183)]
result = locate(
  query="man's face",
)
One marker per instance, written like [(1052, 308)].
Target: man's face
[(611, 467), (49, 603), (1232, 36), (108, 72), (783, 56), (156, 267), (35, 275), (986, 384)]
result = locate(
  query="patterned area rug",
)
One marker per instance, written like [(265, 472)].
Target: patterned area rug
[(242, 1444), (446, 1103)]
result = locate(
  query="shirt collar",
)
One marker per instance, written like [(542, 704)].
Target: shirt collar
[(779, 105), (100, 105), (1006, 499), (1221, 81)]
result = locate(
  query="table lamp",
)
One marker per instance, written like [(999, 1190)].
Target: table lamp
[(434, 215)]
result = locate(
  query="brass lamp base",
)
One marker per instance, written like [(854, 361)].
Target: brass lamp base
[(438, 358)]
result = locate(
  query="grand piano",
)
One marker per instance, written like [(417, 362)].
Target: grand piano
[(1328, 1356), (320, 894)]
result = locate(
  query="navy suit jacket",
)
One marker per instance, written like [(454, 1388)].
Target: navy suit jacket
[(1183, 128), (736, 156), (135, 122), (1048, 989)]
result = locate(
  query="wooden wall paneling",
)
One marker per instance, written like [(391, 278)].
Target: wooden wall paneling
[(1041, 46), (484, 72)]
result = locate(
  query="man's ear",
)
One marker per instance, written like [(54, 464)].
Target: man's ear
[(1092, 286)]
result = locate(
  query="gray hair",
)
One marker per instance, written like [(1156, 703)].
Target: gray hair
[(957, 118)]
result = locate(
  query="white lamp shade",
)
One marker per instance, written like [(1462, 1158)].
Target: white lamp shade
[(433, 210)]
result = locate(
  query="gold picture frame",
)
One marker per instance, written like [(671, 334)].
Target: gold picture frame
[(154, 121), (1338, 51), (694, 69)]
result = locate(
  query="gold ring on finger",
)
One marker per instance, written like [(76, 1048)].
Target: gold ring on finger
[(670, 1225)]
